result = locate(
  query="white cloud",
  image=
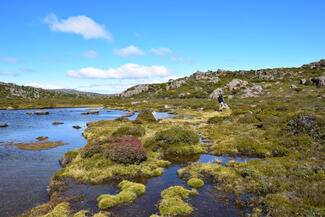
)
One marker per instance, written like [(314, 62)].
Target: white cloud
[(9, 60), (91, 54), (8, 73), (129, 70), (25, 69), (44, 86), (162, 51), (81, 25), (129, 51)]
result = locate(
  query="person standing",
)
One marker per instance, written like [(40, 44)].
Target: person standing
[(221, 101)]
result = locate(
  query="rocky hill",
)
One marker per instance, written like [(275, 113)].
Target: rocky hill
[(243, 83)]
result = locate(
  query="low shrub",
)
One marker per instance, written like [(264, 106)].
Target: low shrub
[(128, 152), (89, 150), (146, 115), (248, 119), (129, 131), (307, 124), (176, 136)]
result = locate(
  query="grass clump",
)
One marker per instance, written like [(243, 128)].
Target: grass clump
[(176, 136), (137, 131), (195, 183), (146, 115), (217, 119), (61, 210), (172, 203), (130, 191)]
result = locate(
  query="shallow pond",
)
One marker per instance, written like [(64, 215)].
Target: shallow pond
[(24, 175)]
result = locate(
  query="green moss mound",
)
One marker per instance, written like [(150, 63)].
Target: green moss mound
[(195, 183), (130, 191), (172, 203), (176, 136), (146, 115), (137, 131), (61, 210)]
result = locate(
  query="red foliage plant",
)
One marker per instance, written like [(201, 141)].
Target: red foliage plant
[(126, 149)]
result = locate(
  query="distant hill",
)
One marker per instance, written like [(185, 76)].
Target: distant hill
[(246, 83)]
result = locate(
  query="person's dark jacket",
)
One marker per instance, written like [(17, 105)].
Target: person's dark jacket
[(221, 99)]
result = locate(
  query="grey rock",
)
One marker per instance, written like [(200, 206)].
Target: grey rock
[(90, 112), (303, 81), (10, 108), (76, 127), (292, 86)]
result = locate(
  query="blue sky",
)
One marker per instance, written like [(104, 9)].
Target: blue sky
[(108, 46)]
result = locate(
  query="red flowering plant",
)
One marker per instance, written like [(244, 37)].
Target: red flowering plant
[(126, 149), (89, 150)]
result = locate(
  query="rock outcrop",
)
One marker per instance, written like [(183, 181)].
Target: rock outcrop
[(254, 91), (135, 90)]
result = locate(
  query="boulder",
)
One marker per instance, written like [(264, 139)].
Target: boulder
[(216, 93), (303, 81), (57, 123), (4, 125), (41, 138), (76, 127), (292, 86), (29, 113), (10, 108), (41, 112), (236, 84)]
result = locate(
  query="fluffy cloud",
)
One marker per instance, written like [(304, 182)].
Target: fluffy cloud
[(81, 25), (8, 73), (44, 86), (162, 51), (91, 54), (129, 70), (129, 51), (9, 60)]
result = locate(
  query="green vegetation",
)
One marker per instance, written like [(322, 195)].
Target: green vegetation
[(172, 203), (130, 131), (195, 183), (130, 191), (146, 115), (40, 145)]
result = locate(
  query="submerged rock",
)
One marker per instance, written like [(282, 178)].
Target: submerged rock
[(76, 127), (29, 113), (57, 123), (41, 138), (91, 112), (41, 112), (4, 125), (129, 114)]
